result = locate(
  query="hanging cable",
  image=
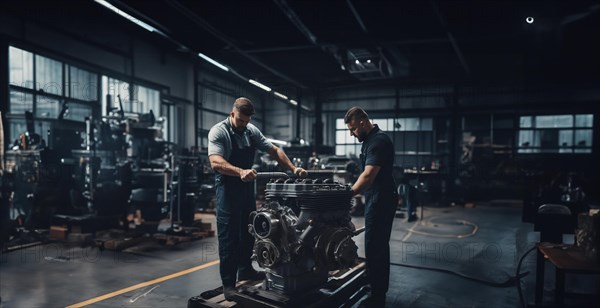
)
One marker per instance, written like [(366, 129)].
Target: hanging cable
[(460, 221), (507, 283), (521, 299)]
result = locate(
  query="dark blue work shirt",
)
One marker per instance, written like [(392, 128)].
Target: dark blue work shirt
[(378, 150)]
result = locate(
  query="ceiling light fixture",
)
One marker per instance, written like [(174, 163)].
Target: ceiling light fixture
[(128, 17), (295, 103), (529, 20), (260, 85), (280, 95), (368, 60), (356, 61), (213, 62), (280, 142), (182, 47)]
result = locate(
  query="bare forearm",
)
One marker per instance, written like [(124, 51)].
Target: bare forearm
[(219, 164), (226, 168), (363, 182)]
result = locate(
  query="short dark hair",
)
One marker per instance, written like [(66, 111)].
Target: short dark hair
[(355, 113), (244, 105)]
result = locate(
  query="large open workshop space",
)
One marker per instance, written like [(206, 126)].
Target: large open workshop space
[(295, 153)]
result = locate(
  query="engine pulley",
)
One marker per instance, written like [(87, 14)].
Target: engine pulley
[(265, 225), (267, 253)]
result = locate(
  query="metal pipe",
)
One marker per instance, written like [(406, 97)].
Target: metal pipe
[(88, 133), (166, 176), (1, 145), (359, 231), (267, 175)]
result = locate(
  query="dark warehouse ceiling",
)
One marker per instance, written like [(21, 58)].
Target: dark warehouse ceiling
[(317, 43), (306, 43)]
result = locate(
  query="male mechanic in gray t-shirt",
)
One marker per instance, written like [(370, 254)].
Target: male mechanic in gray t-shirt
[(232, 144)]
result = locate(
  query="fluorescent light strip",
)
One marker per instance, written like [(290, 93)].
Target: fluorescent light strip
[(260, 85), (213, 62), (280, 142), (127, 16), (295, 103), (280, 95), (201, 55)]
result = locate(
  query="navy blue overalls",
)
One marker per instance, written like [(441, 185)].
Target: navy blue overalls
[(235, 201)]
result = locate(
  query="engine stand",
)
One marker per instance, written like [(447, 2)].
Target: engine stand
[(343, 289)]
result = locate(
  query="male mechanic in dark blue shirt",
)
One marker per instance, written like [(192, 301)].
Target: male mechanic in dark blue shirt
[(232, 144), (377, 185)]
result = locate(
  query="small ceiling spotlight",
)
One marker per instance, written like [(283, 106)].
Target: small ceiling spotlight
[(356, 61), (529, 19), (369, 61)]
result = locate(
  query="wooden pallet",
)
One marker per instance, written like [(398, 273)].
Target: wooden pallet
[(117, 239), (188, 235)]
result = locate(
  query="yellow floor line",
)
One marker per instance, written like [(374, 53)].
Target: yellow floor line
[(410, 232), (144, 284)]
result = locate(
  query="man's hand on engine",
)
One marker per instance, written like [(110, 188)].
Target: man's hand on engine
[(300, 172), (248, 175)]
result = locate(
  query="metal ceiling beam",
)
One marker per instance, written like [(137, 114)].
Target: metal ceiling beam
[(579, 16), (390, 43), (453, 42), (281, 49), (330, 49), (291, 15), (221, 36), (357, 16), (350, 44)]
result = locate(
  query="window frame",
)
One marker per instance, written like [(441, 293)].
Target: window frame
[(538, 133)]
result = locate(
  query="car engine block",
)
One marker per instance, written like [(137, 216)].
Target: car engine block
[(302, 232)]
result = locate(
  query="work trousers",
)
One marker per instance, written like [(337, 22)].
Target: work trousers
[(235, 202), (379, 216)]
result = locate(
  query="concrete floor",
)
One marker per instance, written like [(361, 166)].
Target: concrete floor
[(484, 242)]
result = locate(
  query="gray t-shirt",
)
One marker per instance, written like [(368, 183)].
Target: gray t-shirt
[(221, 136)]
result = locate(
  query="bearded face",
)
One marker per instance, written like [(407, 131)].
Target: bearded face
[(239, 121), (362, 136), (357, 129)]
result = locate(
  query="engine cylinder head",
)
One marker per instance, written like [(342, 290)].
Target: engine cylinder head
[(312, 194)]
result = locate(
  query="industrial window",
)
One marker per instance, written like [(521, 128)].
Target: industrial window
[(48, 74), (115, 92), (45, 87), (413, 141), (82, 84), (136, 99), (412, 137), (172, 112), (21, 67), (145, 99), (566, 133), (139, 100), (345, 144)]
